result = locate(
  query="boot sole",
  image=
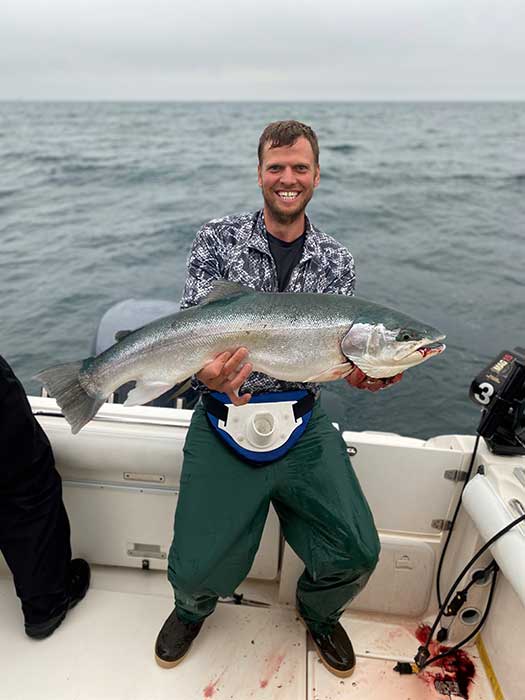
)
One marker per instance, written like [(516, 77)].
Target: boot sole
[(40, 634), (337, 672), (171, 664)]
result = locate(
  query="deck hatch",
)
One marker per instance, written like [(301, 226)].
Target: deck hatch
[(145, 551)]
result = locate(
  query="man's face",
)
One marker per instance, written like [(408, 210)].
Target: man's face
[(288, 176)]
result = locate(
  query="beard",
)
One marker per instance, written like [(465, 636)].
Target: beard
[(285, 217)]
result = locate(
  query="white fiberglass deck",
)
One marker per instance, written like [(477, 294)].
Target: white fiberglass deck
[(104, 651)]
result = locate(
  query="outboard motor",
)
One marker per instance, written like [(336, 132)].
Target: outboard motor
[(500, 390), (127, 316)]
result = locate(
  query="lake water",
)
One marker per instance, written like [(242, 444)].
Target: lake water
[(99, 202)]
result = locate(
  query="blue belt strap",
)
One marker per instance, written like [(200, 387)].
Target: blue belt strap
[(216, 410)]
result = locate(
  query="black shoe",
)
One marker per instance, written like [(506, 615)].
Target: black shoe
[(174, 640), (80, 578), (335, 650), (78, 584)]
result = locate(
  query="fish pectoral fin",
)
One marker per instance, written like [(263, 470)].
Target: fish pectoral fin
[(333, 373), (146, 391)]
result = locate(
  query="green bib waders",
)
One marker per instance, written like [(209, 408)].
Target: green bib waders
[(222, 509)]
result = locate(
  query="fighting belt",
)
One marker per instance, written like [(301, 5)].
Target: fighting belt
[(264, 429)]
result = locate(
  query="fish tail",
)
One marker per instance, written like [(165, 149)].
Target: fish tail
[(63, 384)]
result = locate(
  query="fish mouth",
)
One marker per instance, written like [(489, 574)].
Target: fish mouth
[(435, 348)]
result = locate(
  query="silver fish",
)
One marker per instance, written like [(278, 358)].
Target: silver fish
[(292, 337)]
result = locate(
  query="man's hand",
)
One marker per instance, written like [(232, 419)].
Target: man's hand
[(227, 374), (360, 380)]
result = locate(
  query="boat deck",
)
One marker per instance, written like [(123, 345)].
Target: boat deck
[(104, 651)]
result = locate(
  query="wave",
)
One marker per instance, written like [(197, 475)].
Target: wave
[(344, 148), (7, 193), (49, 159), (14, 155), (79, 168), (518, 178)]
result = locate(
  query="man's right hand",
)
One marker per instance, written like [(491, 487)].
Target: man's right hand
[(227, 373)]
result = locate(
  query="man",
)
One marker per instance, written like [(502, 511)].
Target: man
[(34, 527), (224, 499)]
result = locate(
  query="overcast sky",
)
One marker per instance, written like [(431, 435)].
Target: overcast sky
[(262, 49)]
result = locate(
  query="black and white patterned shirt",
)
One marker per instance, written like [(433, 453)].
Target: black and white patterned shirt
[(236, 248)]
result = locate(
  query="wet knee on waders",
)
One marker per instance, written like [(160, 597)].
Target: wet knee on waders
[(363, 559)]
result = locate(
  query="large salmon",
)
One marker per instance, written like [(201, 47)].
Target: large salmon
[(292, 337)]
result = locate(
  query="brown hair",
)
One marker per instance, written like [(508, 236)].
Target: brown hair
[(286, 133)]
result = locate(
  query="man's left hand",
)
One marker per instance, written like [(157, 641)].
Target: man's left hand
[(360, 380)]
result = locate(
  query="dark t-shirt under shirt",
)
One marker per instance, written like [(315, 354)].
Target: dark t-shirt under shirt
[(286, 256)]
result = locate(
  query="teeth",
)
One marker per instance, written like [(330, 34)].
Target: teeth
[(288, 195)]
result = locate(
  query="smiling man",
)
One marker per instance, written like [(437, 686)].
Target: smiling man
[(227, 483), (287, 175)]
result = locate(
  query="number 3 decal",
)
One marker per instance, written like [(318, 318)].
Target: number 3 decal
[(485, 393)]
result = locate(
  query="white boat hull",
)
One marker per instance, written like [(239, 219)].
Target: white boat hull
[(121, 477)]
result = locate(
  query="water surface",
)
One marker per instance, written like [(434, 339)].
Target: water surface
[(99, 202)]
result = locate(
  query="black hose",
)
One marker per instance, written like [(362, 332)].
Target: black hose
[(453, 521), (476, 556), (476, 630)]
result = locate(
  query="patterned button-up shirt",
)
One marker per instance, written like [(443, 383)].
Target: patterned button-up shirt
[(236, 248)]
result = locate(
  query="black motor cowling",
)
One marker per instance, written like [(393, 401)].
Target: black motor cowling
[(500, 390)]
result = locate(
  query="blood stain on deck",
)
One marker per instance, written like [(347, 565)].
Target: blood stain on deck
[(210, 689), (272, 668), (457, 667)]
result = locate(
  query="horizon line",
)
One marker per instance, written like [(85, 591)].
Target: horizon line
[(477, 100)]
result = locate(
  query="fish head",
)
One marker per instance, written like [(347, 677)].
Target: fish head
[(387, 347)]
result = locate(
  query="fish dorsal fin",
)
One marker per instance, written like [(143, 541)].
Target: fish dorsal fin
[(224, 289), (120, 335)]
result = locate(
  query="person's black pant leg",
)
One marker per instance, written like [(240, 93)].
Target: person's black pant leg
[(34, 527)]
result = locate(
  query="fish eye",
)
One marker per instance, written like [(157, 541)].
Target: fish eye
[(405, 335)]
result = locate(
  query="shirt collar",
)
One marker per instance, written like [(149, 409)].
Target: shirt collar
[(259, 240)]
